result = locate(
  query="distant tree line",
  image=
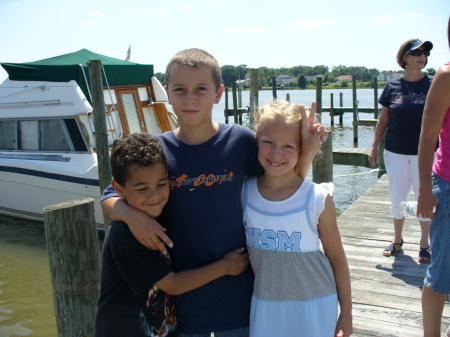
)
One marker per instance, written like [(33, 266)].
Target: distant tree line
[(300, 72)]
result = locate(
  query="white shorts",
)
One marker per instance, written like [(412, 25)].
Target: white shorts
[(403, 173)]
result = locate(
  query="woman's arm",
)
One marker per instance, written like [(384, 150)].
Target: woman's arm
[(380, 129), (436, 106), (233, 263), (334, 250), (144, 228)]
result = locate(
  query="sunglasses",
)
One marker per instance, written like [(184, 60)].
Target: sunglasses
[(418, 52)]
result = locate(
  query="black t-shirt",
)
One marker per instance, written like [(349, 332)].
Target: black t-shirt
[(406, 101), (129, 303)]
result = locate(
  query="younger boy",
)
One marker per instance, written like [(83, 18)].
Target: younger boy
[(208, 162), (136, 283)]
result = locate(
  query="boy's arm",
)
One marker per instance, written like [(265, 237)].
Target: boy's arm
[(233, 263), (144, 228), (312, 136), (334, 250)]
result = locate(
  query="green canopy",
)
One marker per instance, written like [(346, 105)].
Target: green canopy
[(70, 66)]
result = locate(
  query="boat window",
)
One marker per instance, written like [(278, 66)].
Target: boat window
[(132, 113), (7, 135), (52, 136), (75, 135), (28, 135)]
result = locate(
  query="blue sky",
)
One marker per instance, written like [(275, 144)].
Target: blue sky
[(282, 33)]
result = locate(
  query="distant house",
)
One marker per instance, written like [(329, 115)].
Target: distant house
[(342, 78), (313, 78), (388, 75), (285, 79)]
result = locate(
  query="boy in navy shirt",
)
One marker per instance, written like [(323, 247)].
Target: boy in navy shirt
[(208, 162)]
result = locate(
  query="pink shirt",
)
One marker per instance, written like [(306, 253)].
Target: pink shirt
[(441, 165)]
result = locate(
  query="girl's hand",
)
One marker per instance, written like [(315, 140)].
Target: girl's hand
[(426, 203), (236, 261)]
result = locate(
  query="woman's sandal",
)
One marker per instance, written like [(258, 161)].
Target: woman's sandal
[(393, 249), (424, 255)]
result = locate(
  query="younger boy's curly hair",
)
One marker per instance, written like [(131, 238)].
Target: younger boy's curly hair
[(137, 149)]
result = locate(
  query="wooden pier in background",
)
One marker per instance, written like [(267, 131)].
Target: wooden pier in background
[(386, 291)]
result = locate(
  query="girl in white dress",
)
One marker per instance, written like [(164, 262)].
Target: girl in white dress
[(297, 287)]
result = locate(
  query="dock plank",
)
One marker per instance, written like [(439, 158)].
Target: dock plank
[(386, 291)]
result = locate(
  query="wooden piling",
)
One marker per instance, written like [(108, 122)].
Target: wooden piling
[(323, 162), (254, 95), (235, 108), (226, 105), (101, 134), (375, 98), (355, 111), (74, 258), (274, 88), (331, 109)]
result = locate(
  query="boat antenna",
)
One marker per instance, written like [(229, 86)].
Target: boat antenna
[(85, 80)]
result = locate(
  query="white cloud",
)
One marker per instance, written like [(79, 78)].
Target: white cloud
[(96, 14), (414, 14), (383, 20), (312, 23)]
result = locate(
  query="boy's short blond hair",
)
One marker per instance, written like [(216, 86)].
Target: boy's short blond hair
[(196, 58), (278, 110)]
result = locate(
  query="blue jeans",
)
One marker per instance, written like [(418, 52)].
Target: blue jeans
[(438, 273), (243, 332)]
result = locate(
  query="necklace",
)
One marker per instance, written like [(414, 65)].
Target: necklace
[(410, 89)]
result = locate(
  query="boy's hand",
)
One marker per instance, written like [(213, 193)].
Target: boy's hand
[(312, 135), (148, 231), (236, 261)]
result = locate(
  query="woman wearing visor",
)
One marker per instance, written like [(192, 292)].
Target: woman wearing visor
[(403, 101)]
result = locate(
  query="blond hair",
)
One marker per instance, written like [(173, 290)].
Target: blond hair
[(196, 58), (278, 110)]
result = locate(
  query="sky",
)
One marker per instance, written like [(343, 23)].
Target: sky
[(281, 33)]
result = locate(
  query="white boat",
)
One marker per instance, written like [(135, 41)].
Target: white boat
[(47, 136)]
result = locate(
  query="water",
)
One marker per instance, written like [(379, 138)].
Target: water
[(26, 299)]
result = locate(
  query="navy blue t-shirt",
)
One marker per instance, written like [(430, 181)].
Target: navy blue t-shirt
[(406, 101), (204, 221)]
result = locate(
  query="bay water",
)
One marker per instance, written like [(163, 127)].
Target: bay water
[(26, 300)]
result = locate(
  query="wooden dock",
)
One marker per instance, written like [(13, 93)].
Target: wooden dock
[(386, 290)]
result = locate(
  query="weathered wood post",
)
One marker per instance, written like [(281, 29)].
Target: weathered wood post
[(355, 111), (226, 105), (274, 88), (323, 161), (239, 96), (375, 98), (331, 109), (101, 135), (288, 97), (74, 258), (254, 95), (341, 104), (235, 111)]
